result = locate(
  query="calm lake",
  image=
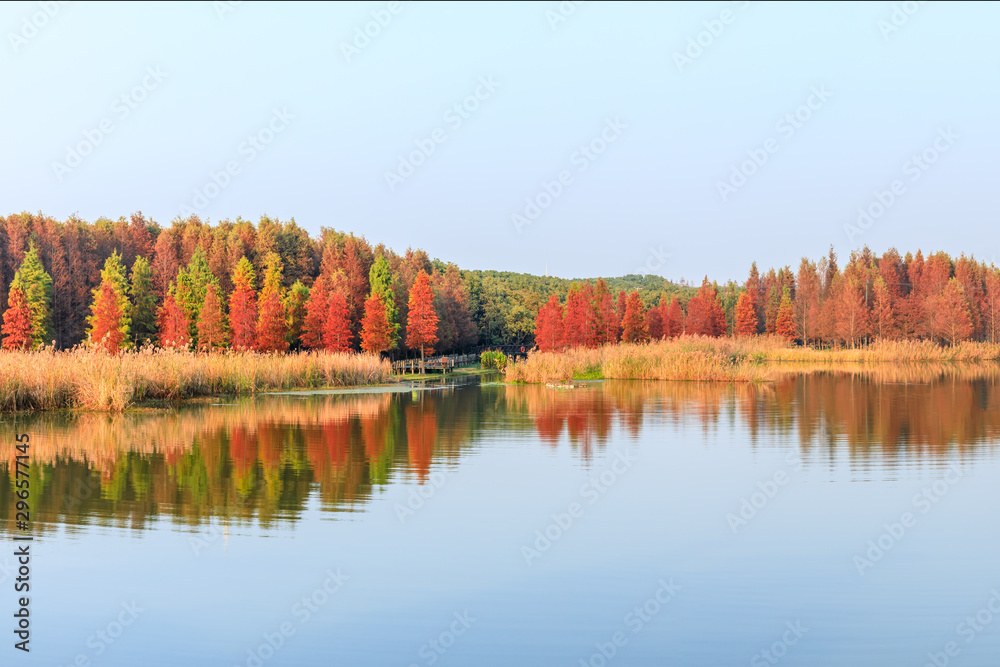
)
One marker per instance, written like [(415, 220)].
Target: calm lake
[(833, 518)]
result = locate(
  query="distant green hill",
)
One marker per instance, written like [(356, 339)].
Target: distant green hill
[(504, 304)]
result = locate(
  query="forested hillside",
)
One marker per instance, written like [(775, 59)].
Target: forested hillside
[(160, 277)]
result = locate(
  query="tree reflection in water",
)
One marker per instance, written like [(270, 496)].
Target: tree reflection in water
[(261, 460)]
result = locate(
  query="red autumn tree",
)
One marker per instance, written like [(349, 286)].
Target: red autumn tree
[(785, 323), (673, 321), (421, 320), (173, 324), (705, 316), (317, 308), (107, 333), (952, 320), (851, 315), (243, 306), (17, 325), (272, 324), (634, 323), (883, 319), (549, 326), (654, 322), (991, 305), (211, 322), (337, 325), (575, 323), (376, 331), (602, 318), (746, 315)]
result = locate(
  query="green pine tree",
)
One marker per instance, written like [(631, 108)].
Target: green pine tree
[(192, 283), (381, 280), (143, 310), (273, 274), (295, 312), (37, 286)]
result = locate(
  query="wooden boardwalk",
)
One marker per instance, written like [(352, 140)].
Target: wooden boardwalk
[(442, 364)]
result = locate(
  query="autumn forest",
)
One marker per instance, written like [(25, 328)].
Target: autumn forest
[(271, 287)]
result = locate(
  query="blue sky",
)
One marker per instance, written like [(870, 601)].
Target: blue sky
[(588, 139)]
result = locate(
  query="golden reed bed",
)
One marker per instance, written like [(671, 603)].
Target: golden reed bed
[(48, 380), (759, 359)]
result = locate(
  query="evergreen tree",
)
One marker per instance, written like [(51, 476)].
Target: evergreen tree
[(192, 283), (36, 284), (295, 312), (142, 311), (382, 283)]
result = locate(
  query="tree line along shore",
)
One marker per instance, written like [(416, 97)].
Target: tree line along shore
[(252, 292)]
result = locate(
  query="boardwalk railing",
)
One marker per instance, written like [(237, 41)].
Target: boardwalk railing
[(443, 364)]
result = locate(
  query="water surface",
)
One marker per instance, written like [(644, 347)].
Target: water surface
[(622, 523)]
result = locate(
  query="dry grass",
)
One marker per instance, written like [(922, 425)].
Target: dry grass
[(48, 380), (757, 359)]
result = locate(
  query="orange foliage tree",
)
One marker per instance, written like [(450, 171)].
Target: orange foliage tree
[(211, 322), (952, 318), (337, 325), (107, 315), (173, 324), (243, 306), (549, 326), (673, 321), (785, 323), (422, 320), (746, 315), (376, 331), (317, 308), (272, 326), (634, 323), (17, 327), (705, 315)]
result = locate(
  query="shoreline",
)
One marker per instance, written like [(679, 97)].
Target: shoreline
[(758, 359)]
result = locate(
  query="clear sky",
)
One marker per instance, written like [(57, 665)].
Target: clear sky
[(622, 123)]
